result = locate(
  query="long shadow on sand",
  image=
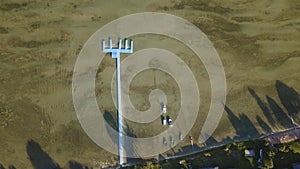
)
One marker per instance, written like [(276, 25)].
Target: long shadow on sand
[(275, 115), (9, 167), (289, 98), (263, 124), (281, 117), (266, 111), (242, 124), (110, 119), (39, 158), (129, 148), (75, 165)]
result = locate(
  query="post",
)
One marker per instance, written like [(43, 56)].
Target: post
[(115, 53), (120, 120), (295, 128)]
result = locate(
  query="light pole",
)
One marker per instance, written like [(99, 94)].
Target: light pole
[(295, 128), (115, 53)]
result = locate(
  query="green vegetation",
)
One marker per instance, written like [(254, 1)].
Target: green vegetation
[(287, 154), (146, 165), (233, 156)]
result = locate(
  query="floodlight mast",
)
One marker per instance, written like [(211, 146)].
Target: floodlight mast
[(115, 53)]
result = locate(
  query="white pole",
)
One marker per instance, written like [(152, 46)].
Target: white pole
[(120, 122)]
